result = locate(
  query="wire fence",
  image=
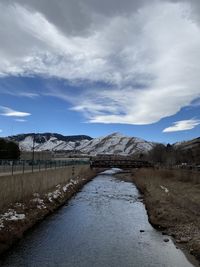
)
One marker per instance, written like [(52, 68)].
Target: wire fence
[(11, 167)]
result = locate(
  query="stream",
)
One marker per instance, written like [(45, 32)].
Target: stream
[(99, 227)]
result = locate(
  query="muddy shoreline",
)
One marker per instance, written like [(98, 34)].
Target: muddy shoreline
[(19, 218), (172, 206)]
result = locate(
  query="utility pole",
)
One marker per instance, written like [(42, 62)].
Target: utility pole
[(33, 151)]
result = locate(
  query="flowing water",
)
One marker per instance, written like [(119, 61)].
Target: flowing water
[(99, 227)]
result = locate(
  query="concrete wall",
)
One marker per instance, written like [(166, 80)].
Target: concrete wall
[(20, 187)]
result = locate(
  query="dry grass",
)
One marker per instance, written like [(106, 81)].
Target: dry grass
[(180, 188), (20, 187), (172, 199), (173, 175)]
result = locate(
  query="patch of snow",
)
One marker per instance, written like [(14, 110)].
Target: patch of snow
[(55, 194), (1, 225), (112, 171), (39, 202), (11, 215), (26, 144), (65, 188), (71, 182), (164, 188), (69, 146), (74, 181)]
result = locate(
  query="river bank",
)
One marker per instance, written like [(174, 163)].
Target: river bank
[(172, 200), (18, 218)]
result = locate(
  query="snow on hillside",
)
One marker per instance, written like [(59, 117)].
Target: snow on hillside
[(115, 143), (26, 144)]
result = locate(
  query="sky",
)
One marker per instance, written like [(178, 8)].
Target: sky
[(97, 67)]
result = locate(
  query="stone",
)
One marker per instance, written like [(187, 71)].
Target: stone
[(166, 239)]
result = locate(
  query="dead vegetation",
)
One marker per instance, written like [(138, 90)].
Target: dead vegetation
[(172, 199)]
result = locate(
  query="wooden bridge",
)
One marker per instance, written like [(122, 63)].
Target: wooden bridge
[(119, 163)]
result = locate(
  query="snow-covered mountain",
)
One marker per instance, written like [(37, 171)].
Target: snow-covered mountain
[(48, 141), (115, 143)]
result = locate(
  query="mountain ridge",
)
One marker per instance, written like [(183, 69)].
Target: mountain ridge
[(115, 143), (184, 145)]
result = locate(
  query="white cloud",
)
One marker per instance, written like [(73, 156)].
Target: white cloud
[(28, 94), (182, 125), (1, 131), (20, 120), (8, 112), (20, 94), (149, 58)]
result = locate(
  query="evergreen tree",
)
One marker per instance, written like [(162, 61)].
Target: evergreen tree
[(9, 150)]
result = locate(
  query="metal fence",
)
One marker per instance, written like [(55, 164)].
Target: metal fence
[(11, 167)]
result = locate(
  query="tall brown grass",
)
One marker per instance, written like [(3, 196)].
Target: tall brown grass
[(186, 176), (183, 188)]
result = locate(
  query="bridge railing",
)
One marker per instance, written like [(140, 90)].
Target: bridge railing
[(120, 163), (11, 167)]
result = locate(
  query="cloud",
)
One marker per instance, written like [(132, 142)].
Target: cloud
[(8, 112), (144, 53), (27, 94), (75, 17), (196, 103), (1, 131), (182, 126), (20, 120), (20, 94), (13, 86)]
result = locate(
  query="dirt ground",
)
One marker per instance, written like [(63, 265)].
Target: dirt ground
[(16, 219), (172, 199)]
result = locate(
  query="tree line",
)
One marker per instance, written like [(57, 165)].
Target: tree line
[(9, 149), (170, 155)]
